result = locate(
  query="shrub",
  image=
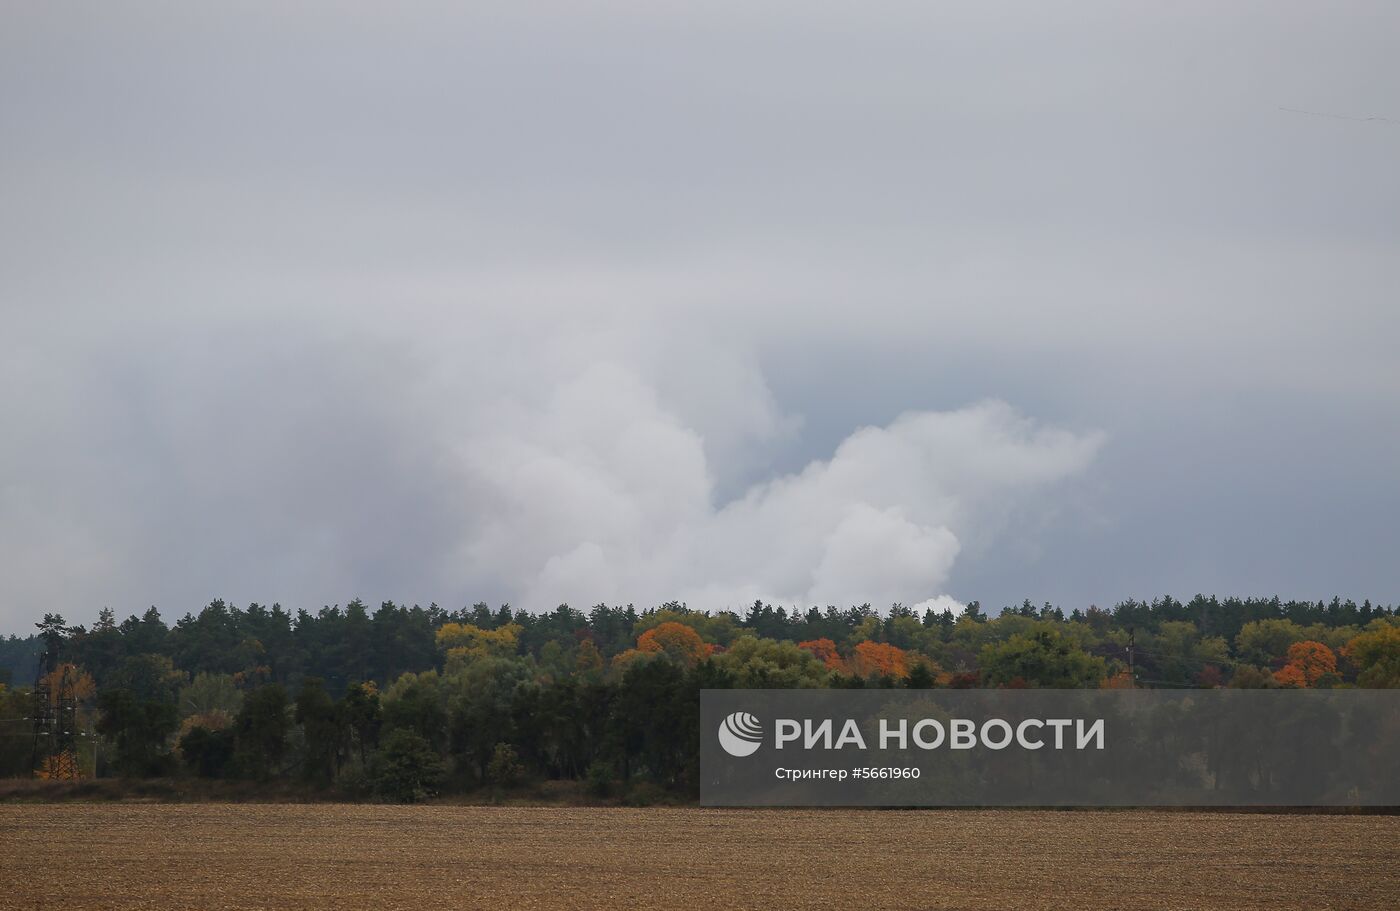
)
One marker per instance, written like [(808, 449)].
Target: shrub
[(599, 778), (407, 768), (504, 769)]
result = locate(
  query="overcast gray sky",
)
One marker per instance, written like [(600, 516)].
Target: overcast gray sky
[(819, 303)]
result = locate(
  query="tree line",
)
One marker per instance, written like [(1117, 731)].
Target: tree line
[(403, 702)]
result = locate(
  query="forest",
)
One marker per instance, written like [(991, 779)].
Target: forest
[(403, 703)]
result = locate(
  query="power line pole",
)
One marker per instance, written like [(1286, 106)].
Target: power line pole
[(1132, 657), (54, 753)]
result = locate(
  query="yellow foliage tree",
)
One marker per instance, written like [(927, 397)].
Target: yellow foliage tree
[(467, 642), (80, 681), (589, 660), (213, 720), (1376, 653)]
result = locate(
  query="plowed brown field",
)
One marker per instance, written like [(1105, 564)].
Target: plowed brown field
[(366, 857)]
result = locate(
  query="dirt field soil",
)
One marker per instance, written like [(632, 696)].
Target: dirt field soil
[(360, 857)]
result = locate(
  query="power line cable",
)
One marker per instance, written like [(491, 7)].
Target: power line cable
[(1331, 116)]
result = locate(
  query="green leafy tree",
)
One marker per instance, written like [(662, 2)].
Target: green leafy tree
[(362, 717), (1177, 653), (416, 702), (207, 753), (100, 651), (1265, 642), (920, 677), (652, 725), (208, 694), (261, 730), (481, 701), (407, 768), (1249, 677), (138, 730), (149, 678), (1042, 659), (147, 635), (768, 664), (323, 732), (16, 749)]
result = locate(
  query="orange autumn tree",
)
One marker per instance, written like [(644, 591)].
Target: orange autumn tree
[(1119, 681), (824, 649), (677, 641), (1308, 662), (879, 659)]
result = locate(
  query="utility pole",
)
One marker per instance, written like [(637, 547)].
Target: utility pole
[(1132, 662), (55, 753)]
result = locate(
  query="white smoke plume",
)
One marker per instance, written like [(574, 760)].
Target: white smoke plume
[(489, 459)]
